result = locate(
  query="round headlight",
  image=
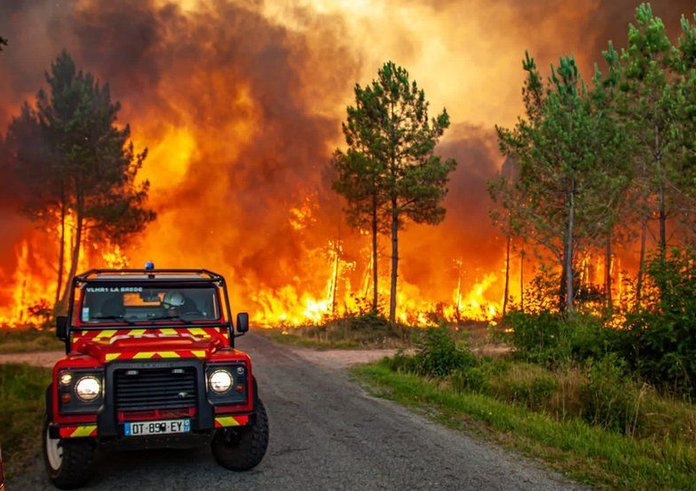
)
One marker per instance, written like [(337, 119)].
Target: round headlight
[(88, 388), (220, 381)]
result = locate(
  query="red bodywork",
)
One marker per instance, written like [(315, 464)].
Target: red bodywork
[(96, 348)]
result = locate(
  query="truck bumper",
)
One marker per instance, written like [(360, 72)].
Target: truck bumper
[(110, 422)]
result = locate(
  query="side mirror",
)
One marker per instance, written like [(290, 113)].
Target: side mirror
[(62, 327), (242, 322)]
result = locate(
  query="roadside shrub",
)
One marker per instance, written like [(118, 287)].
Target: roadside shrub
[(439, 355), (554, 338), (471, 379), (610, 398), (401, 362), (526, 384), (661, 342)]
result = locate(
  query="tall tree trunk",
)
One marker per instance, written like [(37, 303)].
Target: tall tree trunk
[(660, 194), (375, 273), (395, 261), (61, 255), (507, 274), (607, 272), (74, 260), (522, 280), (335, 281), (641, 261), (568, 250), (663, 221)]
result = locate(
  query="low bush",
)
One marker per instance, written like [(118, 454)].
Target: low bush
[(439, 355), (471, 379), (554, 338), (529, 385), (610, 398), (661, 336)]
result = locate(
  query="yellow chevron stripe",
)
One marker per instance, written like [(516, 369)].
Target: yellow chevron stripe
[(168, 354), (168, 331), (83, 431), (112, 356), (106, 334), (136, 332), (198, 353), (144, 355), (197, 331), (226, 421)]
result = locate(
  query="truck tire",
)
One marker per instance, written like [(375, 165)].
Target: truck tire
[(241, 449), (69, 462)]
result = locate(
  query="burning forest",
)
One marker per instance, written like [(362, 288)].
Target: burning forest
[(238, 106)]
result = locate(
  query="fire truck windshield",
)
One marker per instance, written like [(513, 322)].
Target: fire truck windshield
[(131, 304)]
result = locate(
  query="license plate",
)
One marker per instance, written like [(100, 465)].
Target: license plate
[(157, 427)]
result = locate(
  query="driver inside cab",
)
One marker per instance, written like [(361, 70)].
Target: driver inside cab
[(176, 304)]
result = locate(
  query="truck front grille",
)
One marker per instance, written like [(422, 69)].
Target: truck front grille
[(154, 388)]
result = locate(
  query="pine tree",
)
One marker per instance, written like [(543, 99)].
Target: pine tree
[(650, 110), (86, 163), (554, 202), (393, 146)]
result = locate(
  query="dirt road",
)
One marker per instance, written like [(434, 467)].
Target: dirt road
[(326, 433)]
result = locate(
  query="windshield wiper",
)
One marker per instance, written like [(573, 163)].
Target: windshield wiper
[(167, 318), (119, 318)]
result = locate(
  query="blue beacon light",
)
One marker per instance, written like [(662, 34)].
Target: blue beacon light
[(149, 266)]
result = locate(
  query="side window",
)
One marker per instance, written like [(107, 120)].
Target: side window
[(78, 295)]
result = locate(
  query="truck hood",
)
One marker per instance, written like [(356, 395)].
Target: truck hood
[(148, 346)]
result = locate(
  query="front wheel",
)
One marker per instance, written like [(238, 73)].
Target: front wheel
[(240, 449), (69, 462)]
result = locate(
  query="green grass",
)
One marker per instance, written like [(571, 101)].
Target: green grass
[(26, 340), (586, 453), (22, 389)]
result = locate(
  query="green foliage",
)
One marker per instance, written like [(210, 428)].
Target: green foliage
[(390, 173), (70, 158), (438, 355), (533, 393), (661, 337), (555, 338), (651, 107), (472, 379), (610, 398), (566, 150), (22, 393), (596, 164)]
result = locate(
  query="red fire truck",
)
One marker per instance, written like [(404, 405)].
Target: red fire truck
[(151, 362)]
